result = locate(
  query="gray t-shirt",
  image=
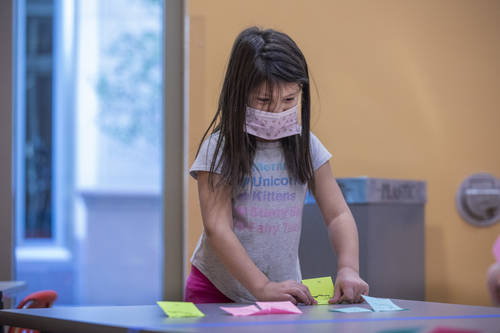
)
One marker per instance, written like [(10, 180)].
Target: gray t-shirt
[(267, 217)]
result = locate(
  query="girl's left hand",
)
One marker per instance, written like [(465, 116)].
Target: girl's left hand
[(349, 287)]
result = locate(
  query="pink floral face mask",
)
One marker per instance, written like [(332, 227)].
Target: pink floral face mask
[(272, 126)]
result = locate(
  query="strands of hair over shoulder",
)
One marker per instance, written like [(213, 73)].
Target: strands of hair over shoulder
[(259, 57)]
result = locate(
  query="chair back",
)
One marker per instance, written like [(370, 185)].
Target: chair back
[(39, 299)]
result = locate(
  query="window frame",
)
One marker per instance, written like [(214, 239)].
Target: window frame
[(55, 247)]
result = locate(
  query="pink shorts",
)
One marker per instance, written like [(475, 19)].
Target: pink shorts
[(199, 289)]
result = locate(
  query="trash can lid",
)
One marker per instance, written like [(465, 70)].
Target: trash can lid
[(362, 190)]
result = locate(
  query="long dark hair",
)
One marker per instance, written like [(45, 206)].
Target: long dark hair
[(259, 56)]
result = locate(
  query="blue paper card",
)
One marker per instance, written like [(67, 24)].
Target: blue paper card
[(381, 304), (354, 309)]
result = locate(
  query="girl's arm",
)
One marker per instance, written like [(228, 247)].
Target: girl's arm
[(217, 218), (494, 283), (343, 235)]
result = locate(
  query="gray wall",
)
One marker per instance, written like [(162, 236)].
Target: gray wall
[(118, 261), (6, 225)]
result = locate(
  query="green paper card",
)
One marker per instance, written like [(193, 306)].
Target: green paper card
[(180, 309), (321, 288), (401, 330)]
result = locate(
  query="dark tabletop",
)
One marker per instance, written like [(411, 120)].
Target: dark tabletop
[(420, 317)]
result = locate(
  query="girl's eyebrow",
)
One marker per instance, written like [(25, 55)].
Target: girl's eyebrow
[(266, 95), (293, 93)]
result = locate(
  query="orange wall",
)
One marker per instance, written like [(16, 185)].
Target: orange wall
[(406, 89)]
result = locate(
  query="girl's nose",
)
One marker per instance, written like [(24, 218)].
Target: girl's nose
[(279, 107)]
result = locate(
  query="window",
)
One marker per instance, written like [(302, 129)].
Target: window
[(88, 147), (37, 159)]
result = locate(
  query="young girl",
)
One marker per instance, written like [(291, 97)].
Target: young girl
[(253, 171)]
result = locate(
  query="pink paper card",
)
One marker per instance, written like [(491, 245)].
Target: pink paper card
[(265, 308), (279, 307), (496, 249), (241, 311)]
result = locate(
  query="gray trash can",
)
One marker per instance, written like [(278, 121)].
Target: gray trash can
[(389, 215)]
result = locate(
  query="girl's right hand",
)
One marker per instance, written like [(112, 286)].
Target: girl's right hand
[(289, 290)]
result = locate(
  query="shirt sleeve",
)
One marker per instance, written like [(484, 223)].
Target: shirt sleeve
[(319, 154), (204, 158)]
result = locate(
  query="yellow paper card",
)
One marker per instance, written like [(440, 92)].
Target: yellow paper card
[(180, 309), (321, 288)]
